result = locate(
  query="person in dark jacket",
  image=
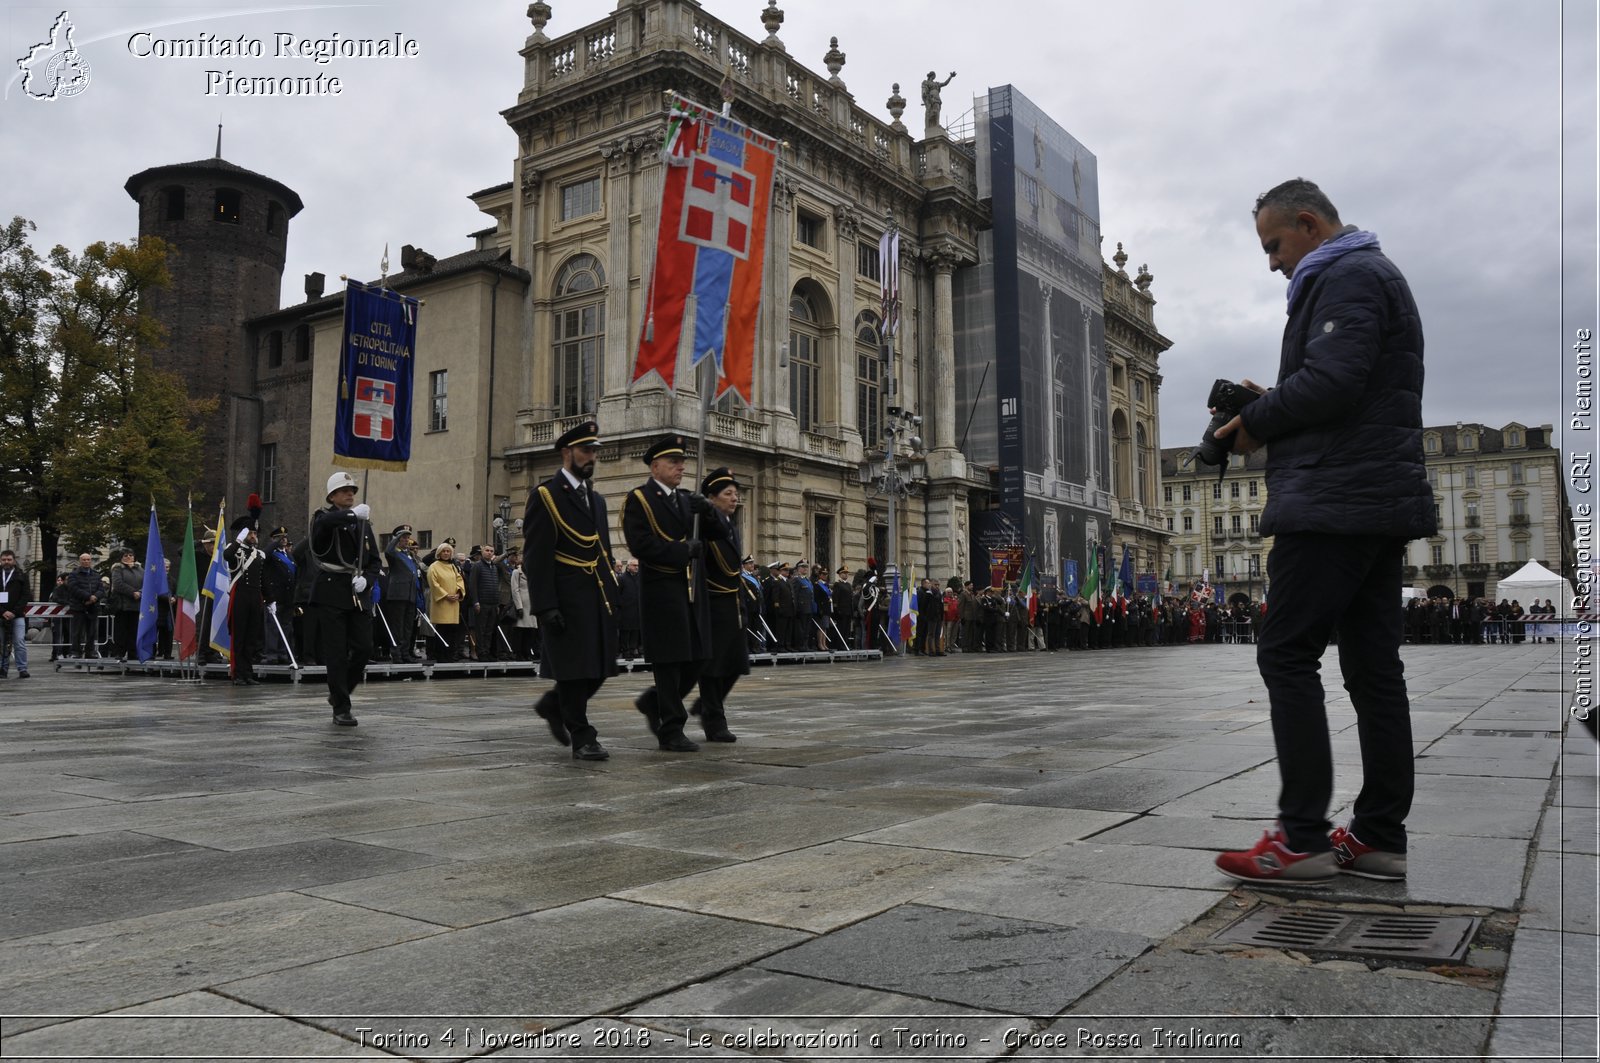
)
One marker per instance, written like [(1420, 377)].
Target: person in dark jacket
[(572, 586), (725, 589), (277, 591), (85, 595), (127, 587), (1346, 490), (247, 607), (659, 521), (399, 604), (628, 610), (489, 591), (347, 561), (844, 607)]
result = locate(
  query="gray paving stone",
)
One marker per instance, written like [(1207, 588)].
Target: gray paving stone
[(1136, 865), (1115, 789), (859, 771), (997, 830), (1570, 828), (1187, 832), (117, 964), (777, 823), (204, 1024), (765, 1012), (1364, 1014), (462, 893), (1028, 890), (79, 850), (1563, 893), (548, 967), (1007, 965), (817, 889), (83, 896)]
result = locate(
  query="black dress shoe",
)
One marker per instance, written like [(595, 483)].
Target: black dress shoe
[(679, 744), (591, 751), (241, 682), (646, 704), (344, 719), (252, 681), (723, 735), (547, 709)]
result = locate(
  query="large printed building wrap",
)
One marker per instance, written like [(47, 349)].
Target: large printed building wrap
[(705, 288), (372, 422)]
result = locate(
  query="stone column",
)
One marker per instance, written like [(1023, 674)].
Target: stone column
[(943, 375), (1047, 380)]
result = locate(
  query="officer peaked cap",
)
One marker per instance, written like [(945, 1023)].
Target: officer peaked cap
[(665, 447), (404, 529), (279, 531), (584, 434), (717, 480)]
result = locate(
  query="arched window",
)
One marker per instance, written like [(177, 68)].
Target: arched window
[(1122, 455), (173, 201), (869, 379), (805, 361), (580, 311), (274, 215)]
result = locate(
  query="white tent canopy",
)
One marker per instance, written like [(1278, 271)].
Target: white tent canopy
[(1533, 582)]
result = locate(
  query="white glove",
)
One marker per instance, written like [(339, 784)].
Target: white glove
[(358, 584), (363, 511), (244, 533), (272, 607)]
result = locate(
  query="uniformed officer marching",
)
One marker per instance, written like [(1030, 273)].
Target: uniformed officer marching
[(675, 618), (246, 606), (348, 561), (572, 589), (727, 591)]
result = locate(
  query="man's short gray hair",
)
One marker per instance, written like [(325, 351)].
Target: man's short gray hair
[(1292, 197)]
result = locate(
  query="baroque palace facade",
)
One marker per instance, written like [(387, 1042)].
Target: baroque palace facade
[(536, 325)]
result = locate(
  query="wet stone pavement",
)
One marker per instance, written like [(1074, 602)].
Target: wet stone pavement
[(969, 857)]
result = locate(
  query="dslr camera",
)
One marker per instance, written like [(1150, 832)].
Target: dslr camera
[(1227, 398)]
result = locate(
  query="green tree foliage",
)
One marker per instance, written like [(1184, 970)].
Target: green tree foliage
[(90, 430)]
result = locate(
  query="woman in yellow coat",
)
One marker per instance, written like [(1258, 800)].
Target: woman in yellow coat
[(446, 589)]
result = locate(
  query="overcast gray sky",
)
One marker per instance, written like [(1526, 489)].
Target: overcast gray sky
[(1437, 124)]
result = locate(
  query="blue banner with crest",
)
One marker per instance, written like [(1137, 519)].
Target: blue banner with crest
[(372, 423)]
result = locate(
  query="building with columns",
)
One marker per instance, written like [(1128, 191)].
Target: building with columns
[(1498, 495), (1030, 362)]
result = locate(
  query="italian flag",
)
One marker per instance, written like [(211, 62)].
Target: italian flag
[(1030, 594), (186, 622)]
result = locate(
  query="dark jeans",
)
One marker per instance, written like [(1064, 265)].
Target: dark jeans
[(346, 639), (1349, 586)]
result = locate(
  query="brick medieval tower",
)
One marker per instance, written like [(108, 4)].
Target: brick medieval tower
[(229, 229)]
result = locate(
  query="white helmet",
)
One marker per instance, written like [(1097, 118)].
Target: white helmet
[(338, 482)]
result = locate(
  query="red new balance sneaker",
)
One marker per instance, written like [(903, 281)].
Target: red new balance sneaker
[(1273, 861), (1357, 858)]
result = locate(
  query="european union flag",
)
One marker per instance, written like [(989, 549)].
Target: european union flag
[(155, 588)]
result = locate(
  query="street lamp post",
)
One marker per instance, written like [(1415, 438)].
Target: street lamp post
[(502, 527)]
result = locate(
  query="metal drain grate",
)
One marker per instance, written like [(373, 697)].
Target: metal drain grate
[(1436, 938)]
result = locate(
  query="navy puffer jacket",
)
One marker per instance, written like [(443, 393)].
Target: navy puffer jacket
[(1343, 427)]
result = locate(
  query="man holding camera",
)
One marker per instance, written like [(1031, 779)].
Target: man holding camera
[(1346, 490)]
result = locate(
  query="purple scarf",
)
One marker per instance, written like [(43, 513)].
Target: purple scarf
[(1349, 239)]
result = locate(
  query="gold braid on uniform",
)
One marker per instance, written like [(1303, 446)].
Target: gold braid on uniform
[(590, 541), (644, 504)]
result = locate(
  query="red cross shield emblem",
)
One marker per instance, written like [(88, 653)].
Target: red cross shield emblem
[(717, 206), (373, 409)]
